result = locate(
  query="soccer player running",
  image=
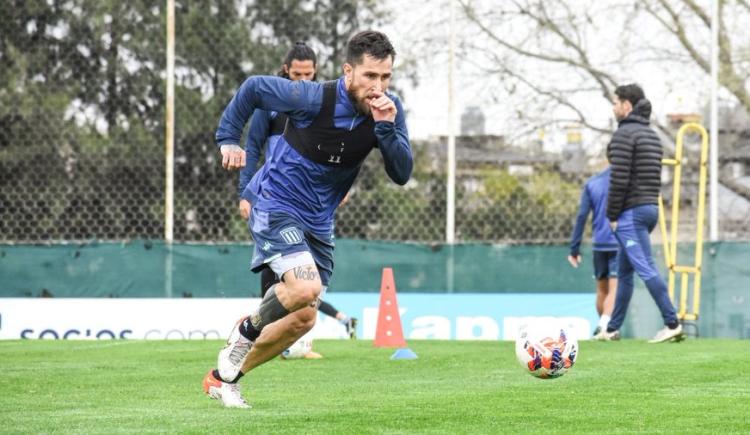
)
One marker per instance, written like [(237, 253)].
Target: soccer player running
[(300, 63), (634, 154), (594, 199), (332, 128)]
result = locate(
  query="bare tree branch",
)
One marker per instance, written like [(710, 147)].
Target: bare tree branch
[(729, 77), (556, 22), (679, 31), (698, 11), (605, 81), (549, 23), (558, 97)]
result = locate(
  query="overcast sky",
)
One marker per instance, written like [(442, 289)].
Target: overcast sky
[(670, 89)]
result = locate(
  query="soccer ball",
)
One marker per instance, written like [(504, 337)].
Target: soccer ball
[(545, 349), (299, 349)]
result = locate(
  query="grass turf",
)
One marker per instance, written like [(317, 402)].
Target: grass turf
[(698, 386)]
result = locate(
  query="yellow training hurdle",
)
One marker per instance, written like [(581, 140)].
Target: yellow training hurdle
[(670, 241)]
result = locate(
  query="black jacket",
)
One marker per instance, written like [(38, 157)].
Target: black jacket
[(634, 153)]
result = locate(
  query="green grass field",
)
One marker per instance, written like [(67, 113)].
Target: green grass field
[(698, 386)]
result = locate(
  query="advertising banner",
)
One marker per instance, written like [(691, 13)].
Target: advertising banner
[(465, 316)]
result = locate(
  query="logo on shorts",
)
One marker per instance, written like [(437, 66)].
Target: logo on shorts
[(291, 235), (267, 246), (630, 243)]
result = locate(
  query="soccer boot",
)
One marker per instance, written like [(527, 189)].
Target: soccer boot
[(229, 394), (234, 353), (351, 328), (666, 334), (603, 335)]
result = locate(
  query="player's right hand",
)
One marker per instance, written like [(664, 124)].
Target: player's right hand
[(245, 209), (574, 261), (383, 108), (232, 157)]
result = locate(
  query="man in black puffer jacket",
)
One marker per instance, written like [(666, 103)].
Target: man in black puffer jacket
[(635, 154)]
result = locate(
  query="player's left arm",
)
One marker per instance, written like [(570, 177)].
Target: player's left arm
[(393, 138)]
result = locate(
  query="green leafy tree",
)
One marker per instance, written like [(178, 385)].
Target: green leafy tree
[(535, 208), (82, 104)]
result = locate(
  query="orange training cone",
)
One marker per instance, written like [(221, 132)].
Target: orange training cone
[(388, 332)]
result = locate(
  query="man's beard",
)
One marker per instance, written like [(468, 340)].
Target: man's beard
[(362, 106)]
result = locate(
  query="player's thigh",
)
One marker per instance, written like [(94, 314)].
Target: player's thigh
[(301, 279), (321, 248), (281, 244), (635, 257)]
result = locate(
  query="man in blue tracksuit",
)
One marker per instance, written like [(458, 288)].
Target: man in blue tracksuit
[(634, 155), (332, 127), (300, 63), (594, 199)]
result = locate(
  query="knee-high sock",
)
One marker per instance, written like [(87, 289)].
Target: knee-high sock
[(327, 309), (269, 311)]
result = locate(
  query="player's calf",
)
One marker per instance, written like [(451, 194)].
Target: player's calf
[(303, 321), (299, 293)]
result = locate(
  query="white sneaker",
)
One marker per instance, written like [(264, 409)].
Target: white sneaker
[(229, 394), (603, 335), (234, 353), (667, 334)]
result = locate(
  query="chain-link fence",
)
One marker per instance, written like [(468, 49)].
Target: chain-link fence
[(82, 97)]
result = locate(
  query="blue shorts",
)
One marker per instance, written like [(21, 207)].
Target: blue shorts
[(605, 264), (279, 236)]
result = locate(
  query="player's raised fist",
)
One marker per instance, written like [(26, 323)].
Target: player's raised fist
[(383, 108)]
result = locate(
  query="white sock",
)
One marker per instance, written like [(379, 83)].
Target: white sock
[(603, 321)]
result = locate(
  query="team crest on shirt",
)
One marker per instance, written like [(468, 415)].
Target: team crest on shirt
[(291, 235)]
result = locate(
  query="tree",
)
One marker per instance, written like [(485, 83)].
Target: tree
[(325, 24), (527, 42), (82, 108)]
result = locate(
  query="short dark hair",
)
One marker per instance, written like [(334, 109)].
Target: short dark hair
[(370, 42), (631, 92), (299, 51)]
